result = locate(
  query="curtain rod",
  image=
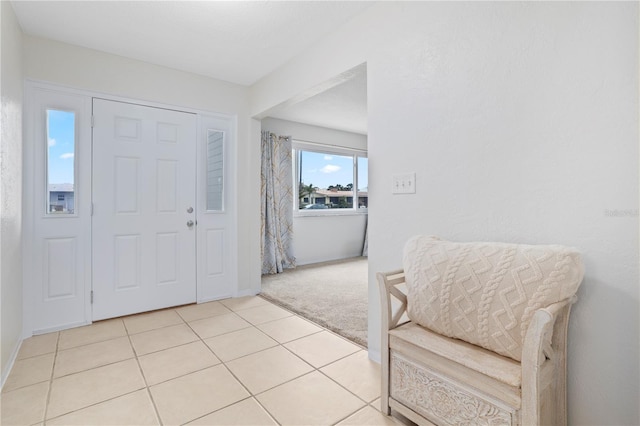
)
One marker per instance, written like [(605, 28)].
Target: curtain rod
[(327, 144)]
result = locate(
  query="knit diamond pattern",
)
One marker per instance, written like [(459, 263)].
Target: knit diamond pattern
[(486, 293)]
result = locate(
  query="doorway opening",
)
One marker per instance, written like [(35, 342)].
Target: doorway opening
[(330, 211)]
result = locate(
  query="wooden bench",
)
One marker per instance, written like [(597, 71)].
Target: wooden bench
[(431, 378)]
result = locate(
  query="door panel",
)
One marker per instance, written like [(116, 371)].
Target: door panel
[(217, 257), (144, 168), (59, 268), (57, 241)]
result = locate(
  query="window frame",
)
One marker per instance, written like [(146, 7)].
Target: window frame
[(47, 207), (223, 171), (354, 153)]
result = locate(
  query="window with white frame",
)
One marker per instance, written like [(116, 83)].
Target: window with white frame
[(61, 163), (329, 179)]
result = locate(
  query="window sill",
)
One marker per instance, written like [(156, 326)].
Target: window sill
[(330, 213)]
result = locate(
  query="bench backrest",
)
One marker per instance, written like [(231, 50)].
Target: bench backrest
[(486, 293)]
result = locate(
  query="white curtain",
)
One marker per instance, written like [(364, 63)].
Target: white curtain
[(277, 204)]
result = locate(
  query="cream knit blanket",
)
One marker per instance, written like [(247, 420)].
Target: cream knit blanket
[(486, 293)]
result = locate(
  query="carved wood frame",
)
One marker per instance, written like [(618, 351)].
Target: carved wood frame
[(543, 360)]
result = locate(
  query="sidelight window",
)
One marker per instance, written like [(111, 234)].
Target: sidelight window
[(215, 170), (61, 167)]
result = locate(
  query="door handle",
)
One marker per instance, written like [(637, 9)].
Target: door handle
[(189, 223)]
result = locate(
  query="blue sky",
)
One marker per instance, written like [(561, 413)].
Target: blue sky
[(323, 170), (61, 139)]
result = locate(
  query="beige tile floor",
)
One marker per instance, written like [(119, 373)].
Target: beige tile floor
[(238, 361)]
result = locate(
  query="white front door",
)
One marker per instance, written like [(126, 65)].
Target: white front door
[(144, 208)]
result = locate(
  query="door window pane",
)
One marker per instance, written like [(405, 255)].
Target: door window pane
[(61, 152), (215, 169)]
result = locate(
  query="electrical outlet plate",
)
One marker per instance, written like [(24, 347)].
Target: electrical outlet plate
[(404, 183)]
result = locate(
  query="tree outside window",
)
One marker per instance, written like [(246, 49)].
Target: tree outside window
[(326, 180)]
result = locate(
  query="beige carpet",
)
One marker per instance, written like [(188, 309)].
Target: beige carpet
[(332, 294)]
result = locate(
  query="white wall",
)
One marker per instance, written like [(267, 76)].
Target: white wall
[(82, 68), (323, 238), (309, 133), (11, 187), (521, 123)]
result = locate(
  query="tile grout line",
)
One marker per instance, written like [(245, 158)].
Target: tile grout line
[(144, 378), (136, 356), (78, 372), (99, 366), (223, 363), (94, 404), (53, 367), (251, 395), (318, 369), (315, 369), (96, 366), (22, 387)]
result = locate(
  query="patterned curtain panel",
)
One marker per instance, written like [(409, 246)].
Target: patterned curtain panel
[(365, 246), (277, 204)]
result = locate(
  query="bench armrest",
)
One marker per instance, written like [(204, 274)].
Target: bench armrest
[(544, 360), (391, 314), (390, 295)]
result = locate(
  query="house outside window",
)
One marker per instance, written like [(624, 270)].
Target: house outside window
[(61, 198), (330, 180), (61, 163)]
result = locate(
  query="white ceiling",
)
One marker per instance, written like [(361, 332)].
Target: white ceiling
[(235, 41), (342, 106)]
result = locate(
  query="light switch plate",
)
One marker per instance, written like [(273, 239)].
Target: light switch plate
[(404, 183)]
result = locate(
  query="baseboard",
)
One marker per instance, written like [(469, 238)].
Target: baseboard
[(12, 359), (249, 292), (375, 356), (320, 261), (60, 327), (213, 299)]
